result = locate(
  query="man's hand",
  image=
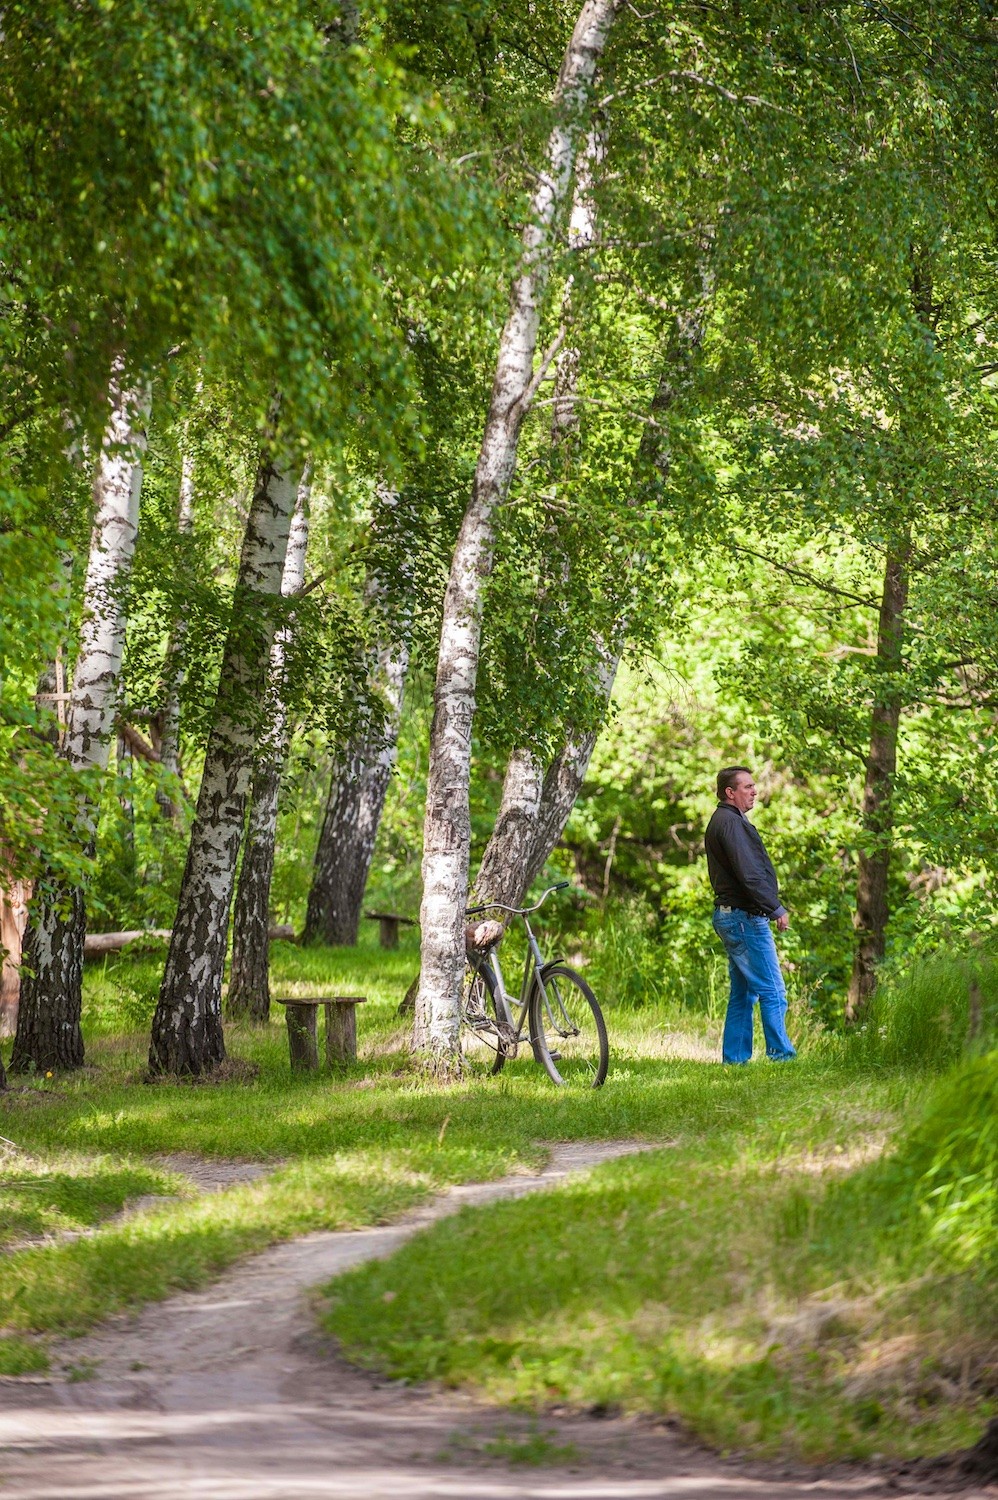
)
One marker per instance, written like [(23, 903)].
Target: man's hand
[(783, 922)]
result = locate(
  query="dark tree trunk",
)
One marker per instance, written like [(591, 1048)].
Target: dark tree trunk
[(187, 1026), (873, 871), (249, 977), (48, 1017), (356, 800)]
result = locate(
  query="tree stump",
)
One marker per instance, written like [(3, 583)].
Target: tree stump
[(303, 1041), (341, 1029)]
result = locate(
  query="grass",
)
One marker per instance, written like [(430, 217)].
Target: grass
[(752, 1277), (69, 1194), (537, 1448), (754, 1280)]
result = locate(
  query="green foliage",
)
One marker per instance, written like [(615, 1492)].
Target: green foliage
[(946, 1170), (921, 1013)]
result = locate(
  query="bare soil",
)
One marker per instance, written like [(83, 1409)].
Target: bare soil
[(230, 1394)]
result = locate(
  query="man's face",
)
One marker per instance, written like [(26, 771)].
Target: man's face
[(742, 795)]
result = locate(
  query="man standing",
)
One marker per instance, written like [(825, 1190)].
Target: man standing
[(746, 901)]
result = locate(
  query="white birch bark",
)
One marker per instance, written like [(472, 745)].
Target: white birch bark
[(514, 837), (447, 824), (528, 828), (187, 1025), (512, 848), (173, 666), (48, 1027), (249, 977)]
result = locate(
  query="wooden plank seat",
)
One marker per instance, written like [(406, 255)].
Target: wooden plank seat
[(390, 922), (302, 1016)]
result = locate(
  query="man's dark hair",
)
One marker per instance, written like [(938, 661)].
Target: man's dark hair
[(727, 778)]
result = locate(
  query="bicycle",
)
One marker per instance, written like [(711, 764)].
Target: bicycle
[(565, 1026)]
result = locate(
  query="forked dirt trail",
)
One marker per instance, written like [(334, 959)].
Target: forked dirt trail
[(228, 1394)]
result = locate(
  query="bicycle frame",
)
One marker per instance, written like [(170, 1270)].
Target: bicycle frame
[(533, 972)]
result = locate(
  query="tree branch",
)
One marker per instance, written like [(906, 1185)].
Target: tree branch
[(526, 400), (801, 575)]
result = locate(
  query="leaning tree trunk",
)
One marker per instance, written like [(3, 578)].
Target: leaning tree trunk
[(510, 860), (48, 1022), (187, 1025), (357, 792), (168, 718), (873, 870), (534, 811), (249, 976), (447, 827)]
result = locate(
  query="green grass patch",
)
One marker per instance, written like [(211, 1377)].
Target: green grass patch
[(764, 1280), (65, 1194), (537, 1448), (22, 1356), (759, 1277)]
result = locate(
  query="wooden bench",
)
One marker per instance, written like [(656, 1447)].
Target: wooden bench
[(303, 1030), (390, 923)]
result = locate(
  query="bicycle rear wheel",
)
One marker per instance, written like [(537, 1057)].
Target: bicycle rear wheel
[(488, 1036), (567, 1029)]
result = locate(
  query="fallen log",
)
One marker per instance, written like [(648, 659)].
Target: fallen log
[(97, 944)]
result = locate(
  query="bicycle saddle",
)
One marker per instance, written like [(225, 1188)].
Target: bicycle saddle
[(481, 937)]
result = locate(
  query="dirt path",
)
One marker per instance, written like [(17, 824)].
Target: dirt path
[(229, 1394)]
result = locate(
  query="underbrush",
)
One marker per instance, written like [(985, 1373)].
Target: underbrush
[(931, 1012)]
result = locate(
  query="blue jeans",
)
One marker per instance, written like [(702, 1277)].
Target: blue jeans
[(754, 972)]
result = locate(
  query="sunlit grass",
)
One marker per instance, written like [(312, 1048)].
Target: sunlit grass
[(726, 1280), (728, 1277)]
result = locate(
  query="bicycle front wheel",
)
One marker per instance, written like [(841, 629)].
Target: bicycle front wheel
[(488, 1036), (567, 1029)]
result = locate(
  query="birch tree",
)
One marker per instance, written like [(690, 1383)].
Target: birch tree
[(249, 977), (447, 824), (537, 802), (48, 1027), (187, 1026), (362, 769)]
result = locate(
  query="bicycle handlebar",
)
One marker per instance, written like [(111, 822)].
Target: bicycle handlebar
[(517, 911)]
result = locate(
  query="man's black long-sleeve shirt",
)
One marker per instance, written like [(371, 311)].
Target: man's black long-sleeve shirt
[(740, 870)]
